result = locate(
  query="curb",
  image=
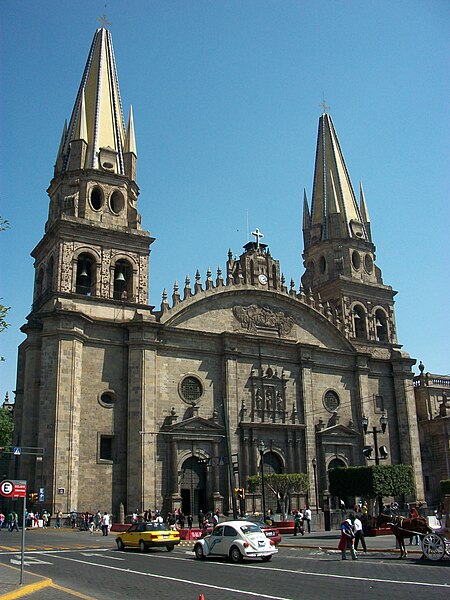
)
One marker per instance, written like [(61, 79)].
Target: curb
[(376, 550), (25, 590)]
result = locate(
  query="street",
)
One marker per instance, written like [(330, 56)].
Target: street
[(91, 566)]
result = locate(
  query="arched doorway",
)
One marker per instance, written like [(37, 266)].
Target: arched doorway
[(337, 463), (271, 464), (193, 486)]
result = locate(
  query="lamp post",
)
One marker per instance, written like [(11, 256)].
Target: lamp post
[(314, 466), (261, 448), (368, 450)]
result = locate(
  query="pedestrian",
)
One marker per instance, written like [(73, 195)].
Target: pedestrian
[(97, 520), (414, 539), (181, 519), (105, 523), (14, 522), (298, 523), (2, 520), (347, 540), (307, 518), (359, 533), (58, 519), (73, 518), (201, 518), (190, 521), (91, 524)]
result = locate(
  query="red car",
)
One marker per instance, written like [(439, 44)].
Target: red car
[(270, 531)]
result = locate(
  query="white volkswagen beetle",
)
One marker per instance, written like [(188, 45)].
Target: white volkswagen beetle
[(236, 540)]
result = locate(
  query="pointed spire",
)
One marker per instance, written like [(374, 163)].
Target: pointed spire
[(176, 294), (219, 278), (130, 139), (63, 139), (364, 212), (103, 123), (332, 190)]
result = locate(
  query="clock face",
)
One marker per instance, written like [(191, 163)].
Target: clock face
[(262, 279)]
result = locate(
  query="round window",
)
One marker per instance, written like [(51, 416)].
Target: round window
[(191, 389), (356, 260), (96, 198), (368, 263), (107, 398), (331, 401), (116, 202)]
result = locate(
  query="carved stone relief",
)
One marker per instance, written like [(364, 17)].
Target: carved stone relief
[(254, 318)]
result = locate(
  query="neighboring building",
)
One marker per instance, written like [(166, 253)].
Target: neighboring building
[(432, 394), (147, 407)]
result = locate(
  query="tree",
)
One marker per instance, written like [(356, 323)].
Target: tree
[(282, 485), (371, 482), (6, 427)]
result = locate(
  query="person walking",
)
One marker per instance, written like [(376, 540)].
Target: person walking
[(58, 519), (2, 519), (298, 523), (105, 524), (190, 520), (73, 518), (347, 540), (359, 533), (307, 518)]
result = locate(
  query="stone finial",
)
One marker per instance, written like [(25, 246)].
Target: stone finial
[(239, 276), (187, 288), (421, 367), (292, 291), (328, 311), (176, 294), (229, 276), (164, 303), (219, 278), (320, 425), (283, 284), (209, 283), (198, 283)]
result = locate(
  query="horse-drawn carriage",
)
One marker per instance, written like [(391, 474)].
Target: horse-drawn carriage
[(436, 545)]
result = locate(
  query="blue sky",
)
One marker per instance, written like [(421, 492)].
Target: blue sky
[(226, 98)]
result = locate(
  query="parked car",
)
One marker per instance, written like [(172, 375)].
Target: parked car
[(148, 535), (269, 531), (236, 540)]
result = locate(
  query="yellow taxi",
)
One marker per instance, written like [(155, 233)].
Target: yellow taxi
[(148, 535)]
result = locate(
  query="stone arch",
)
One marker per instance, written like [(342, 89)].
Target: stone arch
[(49, 274), (86, 273), (123, 278), (359, 321), (381, 325), (192, 469)]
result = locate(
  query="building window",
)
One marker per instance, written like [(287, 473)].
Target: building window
[(191, 389), (106, 448), (331, 401), (359, 322), (107, 398), (85, 276)]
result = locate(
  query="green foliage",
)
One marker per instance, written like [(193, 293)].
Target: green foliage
[(445, 487), (282, 485), (373, 481), (6, 427)]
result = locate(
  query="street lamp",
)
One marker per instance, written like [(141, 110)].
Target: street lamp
[(379, 452), (261, 448), (314, 466)]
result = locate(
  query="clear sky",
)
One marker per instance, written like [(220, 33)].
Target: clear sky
[(226, 98)]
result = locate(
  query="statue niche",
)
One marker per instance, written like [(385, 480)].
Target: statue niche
[(268, 392)]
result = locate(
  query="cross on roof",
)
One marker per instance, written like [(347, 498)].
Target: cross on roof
[(324, 106), (257, 235), (104, 21)]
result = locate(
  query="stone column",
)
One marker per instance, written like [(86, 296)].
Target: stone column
[(308, 403)]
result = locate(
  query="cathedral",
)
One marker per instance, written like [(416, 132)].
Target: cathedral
[(232, 375)]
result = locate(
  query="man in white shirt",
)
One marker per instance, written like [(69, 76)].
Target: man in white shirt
[(307, 517), (105, 524), (359, 533)]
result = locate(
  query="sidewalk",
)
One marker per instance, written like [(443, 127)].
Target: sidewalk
[(10, 587)]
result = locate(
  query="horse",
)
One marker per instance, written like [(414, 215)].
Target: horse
[(404, 527)]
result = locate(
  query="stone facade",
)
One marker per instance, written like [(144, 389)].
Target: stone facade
[(166, 408)]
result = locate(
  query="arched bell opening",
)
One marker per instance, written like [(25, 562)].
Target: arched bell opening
[(85, 278), (123, 280), (359, 322), (49, 274), (381, 326)]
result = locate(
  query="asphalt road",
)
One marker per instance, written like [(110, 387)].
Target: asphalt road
[(90, 567)]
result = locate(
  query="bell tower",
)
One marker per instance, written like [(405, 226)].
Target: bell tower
[(94, 246), (339, 255)]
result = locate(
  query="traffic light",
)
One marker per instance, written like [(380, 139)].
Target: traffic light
[(240, 493)]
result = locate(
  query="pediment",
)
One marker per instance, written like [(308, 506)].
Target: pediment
[(248, 311), (196, 425), (338, 431)]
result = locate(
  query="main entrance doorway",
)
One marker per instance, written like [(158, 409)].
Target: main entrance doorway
[(193, 487)]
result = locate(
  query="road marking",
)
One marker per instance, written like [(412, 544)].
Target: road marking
[(102, 555), (72, 592), (29, 561), (249, 566)]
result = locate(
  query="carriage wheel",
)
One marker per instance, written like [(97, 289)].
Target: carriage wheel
[(433, 546)]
